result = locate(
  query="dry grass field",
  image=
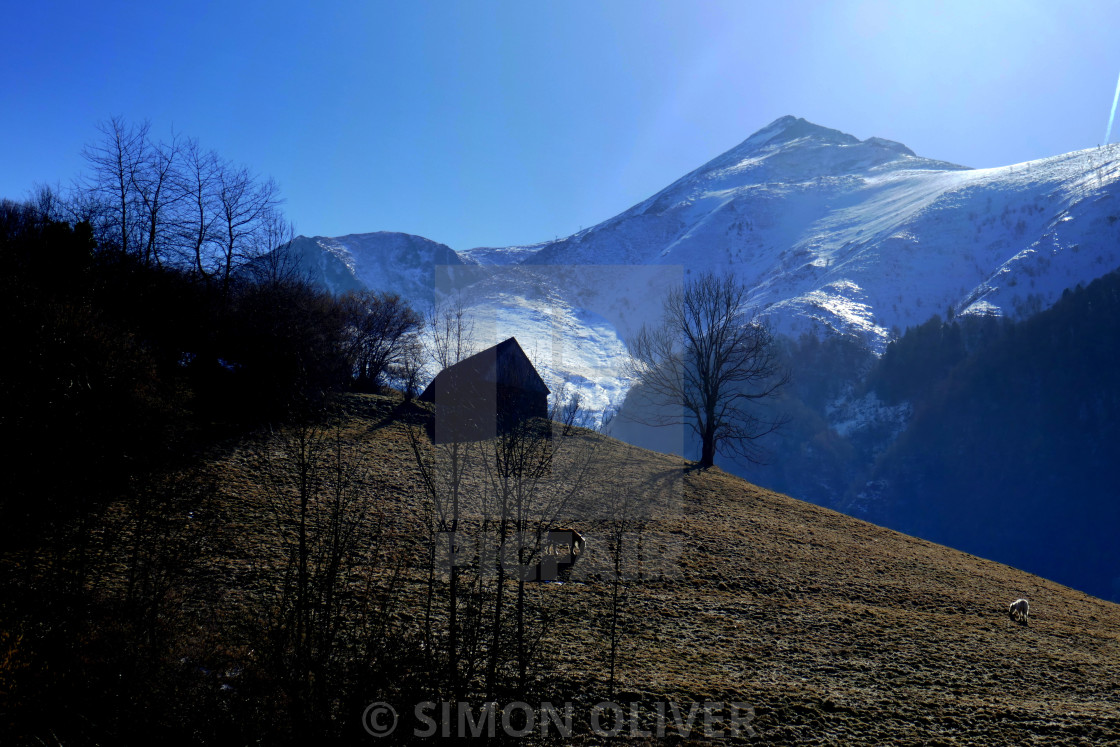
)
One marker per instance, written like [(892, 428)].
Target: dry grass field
[(834, 630)]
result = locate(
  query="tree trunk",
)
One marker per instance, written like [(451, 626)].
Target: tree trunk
[(453, 596), (708, 447)]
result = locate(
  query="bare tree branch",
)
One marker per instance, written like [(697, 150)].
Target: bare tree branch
[(114, 161), (707, 366), (450, 336), (198, 179), (157, 191), (245, 208), (381, 334)]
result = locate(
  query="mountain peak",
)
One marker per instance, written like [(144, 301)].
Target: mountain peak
[(792, 149), (790, 128)]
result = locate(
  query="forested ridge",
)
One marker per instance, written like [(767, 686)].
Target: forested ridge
[(993, 436), (1013, 451)]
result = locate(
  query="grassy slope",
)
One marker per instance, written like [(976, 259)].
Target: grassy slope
[(836, 630)]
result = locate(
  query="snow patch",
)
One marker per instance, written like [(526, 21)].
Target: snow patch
[(830, 233), (848, 416)]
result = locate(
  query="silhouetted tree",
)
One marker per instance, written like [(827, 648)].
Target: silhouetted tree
[(174, 201), (246, 214), (381, 332), (449, 337), (158, 195), (197, 228), (715, 360), (114, 161)]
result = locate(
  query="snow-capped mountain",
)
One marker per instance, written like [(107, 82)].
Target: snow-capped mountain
[(836, 235), (395, 262), (863, 236), (833, 233)]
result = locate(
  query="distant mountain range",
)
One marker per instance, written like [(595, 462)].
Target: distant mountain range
[(832, 233), (855, 242)]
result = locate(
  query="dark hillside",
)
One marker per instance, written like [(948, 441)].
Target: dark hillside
[(116, 367), (836, 631), (1013, 451)]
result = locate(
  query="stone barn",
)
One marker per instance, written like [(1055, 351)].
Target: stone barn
[(486, 394)]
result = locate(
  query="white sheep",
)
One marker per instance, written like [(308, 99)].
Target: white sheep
[(1018, 611)]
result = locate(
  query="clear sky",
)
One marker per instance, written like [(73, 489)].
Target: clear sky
[(498, 123)]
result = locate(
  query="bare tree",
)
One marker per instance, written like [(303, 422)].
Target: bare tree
[(276, 234), (381, 329), (246, 208), (533, 476), (566, 407), (49, 202), (157, 190), (317, 493), (515, 463), (489, 505), (408, 370), (277, 264), (135, 189), (450, 334), (444, 470), (708, 365), (626, 507), (114, 161), (174, 201), (83, 206), (198, 179)]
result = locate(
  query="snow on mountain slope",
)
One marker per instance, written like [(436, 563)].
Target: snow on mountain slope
[(564, 317), (395, 262), (862, 236), (832, 234), (501, 255), (576, 344)]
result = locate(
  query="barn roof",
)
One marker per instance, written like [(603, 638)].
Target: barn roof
[(505, 364)]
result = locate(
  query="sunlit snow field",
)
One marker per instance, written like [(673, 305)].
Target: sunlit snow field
[(833, 235)]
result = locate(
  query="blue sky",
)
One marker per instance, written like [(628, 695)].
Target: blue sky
[(498, 123)]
